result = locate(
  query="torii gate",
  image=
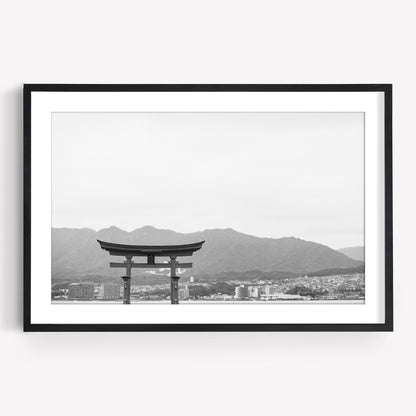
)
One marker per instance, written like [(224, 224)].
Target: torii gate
[(130, 251)]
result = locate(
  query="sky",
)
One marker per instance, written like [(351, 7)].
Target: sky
[(265, 174)]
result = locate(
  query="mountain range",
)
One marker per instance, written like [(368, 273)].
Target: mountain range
[(77, 255), (356, 253)]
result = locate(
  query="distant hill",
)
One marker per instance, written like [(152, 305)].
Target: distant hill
[(356, 253), (76, 253)]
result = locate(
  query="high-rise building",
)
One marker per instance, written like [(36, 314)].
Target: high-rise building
[(184, 293), (241, 292), (83, 290), (110, 291), (269, 290), (73, 290), (254, 292)]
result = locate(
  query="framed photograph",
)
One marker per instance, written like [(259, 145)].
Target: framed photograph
[(208, 207)]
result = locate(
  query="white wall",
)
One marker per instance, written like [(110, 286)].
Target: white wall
[(211, 42)]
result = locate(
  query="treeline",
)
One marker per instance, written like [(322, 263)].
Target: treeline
[(246, 276), (196, 290), (275, 275), (151, 279), (253, 275), (329, 272)]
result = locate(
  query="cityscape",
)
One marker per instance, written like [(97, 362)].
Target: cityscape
[(337, 287)]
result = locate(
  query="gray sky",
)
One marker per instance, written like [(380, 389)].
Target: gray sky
[(265, 174)]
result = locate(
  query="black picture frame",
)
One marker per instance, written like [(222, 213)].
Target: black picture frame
[(28, 326)]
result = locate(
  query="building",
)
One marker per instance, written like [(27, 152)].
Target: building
[(191, 279), (254, 292), (109, 291), (269, 291), (241, 292), (83, 290), (184, 293)]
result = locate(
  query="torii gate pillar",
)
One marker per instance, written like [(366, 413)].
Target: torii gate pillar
[(174, 282), (127, 281)]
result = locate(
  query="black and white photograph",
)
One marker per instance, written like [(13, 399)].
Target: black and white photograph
[(205, 207)]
